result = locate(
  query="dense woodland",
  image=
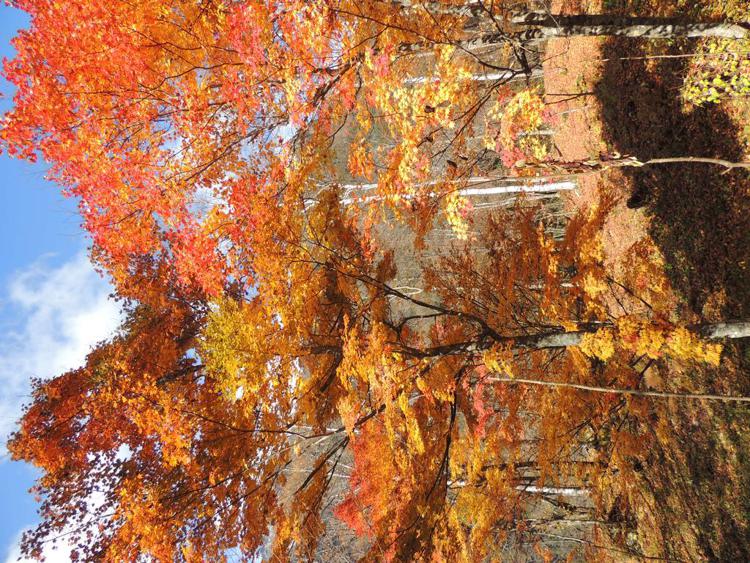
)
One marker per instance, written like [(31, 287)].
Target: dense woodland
[(404, 280)]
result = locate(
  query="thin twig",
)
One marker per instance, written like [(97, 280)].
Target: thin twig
[(620, 391)]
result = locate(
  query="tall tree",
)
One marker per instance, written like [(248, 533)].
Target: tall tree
[(163, 120), (183, 430)]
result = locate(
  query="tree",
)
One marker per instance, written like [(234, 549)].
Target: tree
[(150, 114), (193, 106), (559, 25), (213, 407)]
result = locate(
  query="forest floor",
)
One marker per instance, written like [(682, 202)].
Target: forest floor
[(687, 493)]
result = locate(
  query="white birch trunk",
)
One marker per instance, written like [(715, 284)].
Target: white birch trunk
[(553, 25)]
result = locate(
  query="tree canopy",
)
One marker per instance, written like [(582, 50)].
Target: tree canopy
[(267, 333)]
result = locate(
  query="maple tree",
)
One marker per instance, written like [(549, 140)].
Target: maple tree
[(173, 131), (152, 112), (264, 321), (214, 405)]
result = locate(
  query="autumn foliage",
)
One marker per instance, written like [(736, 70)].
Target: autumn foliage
[(269, 345)]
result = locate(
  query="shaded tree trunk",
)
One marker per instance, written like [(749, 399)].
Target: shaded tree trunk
[(553, 25)]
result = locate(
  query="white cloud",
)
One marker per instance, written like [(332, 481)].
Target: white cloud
[(51, 554), (51, 317), (57, 551), (57, 315)]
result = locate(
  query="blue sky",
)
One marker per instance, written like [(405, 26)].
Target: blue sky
[(53, 306)]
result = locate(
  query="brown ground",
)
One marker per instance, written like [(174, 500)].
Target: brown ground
[(687, 497)]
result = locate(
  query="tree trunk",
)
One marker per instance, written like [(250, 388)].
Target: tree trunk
[(713, 331), (561, 339), (553, 25)]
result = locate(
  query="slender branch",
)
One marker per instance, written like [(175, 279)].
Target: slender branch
[(620, 391), (600, 165), (729, 165)]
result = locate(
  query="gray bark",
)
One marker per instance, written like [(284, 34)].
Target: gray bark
[(713, 331), (716, 331), (552, 25), (547, 340)]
